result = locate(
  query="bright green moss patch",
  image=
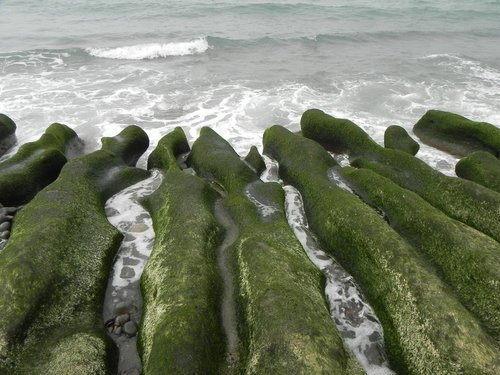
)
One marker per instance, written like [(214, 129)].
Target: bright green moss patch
[(214, 156), (339, 135), (427, 330), (35, 165), (466, 259), (255, 160), (481, 167), (456, 134), (180, 330), (54, 269), (460, 199), (169, 147), (285, 325), (397, 138)]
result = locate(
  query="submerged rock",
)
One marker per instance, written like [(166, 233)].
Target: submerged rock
[(285, 326), (460, 199), (35, 165), (54, 269), (481, 167), (397, 138), (457, 134), (427, 330)]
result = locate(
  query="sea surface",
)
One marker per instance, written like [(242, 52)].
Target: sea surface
[(241, 66)]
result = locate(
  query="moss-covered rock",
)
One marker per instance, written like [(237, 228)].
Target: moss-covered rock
[(255, 160), (397, 138), (7, 133), (35, 165), (481, 167), (169, 148), (54, 269), (180, 330), (285, 326), (457, 134), (466, 259), (460, 199), (427, 330)]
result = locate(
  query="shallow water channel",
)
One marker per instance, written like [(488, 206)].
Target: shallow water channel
[(123, 301), (353, 317)]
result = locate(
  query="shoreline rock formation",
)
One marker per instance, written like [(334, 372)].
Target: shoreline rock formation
[(228, 288)]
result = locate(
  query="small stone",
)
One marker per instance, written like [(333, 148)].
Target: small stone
[(122, 319), (138, 228), (5, 235), (127, 273), (117, 330), (130, 328), (4, 226)]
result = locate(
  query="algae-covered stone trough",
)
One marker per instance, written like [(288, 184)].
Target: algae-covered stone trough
[(228, 289)]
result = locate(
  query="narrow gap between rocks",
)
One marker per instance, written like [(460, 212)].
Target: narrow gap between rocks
[(122, 308), (354, 318)]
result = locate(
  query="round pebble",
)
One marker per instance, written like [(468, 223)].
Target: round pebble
[(117, 330), (122, 319), (5, 226), (130, 328), (5, 235)]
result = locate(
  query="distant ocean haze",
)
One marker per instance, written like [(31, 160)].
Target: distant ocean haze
[(241, 66)]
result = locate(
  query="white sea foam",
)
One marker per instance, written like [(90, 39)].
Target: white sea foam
[(152, 50)]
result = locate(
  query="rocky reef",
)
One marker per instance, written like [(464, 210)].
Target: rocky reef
[(228, 287), (7, 133)]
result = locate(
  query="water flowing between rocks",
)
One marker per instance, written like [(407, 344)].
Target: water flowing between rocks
[(123, 301), (353, 317)]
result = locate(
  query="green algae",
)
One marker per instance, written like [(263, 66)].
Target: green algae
[(460, 199), (397, 138), (426, 329), (169, 148), (285, 326), (466, 259), (456, 134), (255, 160), (7, 127), (54, 269), (35, 165), (7, 133), (180, 329), (482, 168)]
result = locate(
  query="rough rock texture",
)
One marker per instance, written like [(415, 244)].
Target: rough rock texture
[(35, 165), (180, 331), (481, 167), (456, 134), (7, 133), (54, 269), (460, 199), (397, 138), (466, 259), (285, 326), (255, 160), (427, 330), (168, 149)]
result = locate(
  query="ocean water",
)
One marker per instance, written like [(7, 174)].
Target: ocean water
[(240, 66)]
